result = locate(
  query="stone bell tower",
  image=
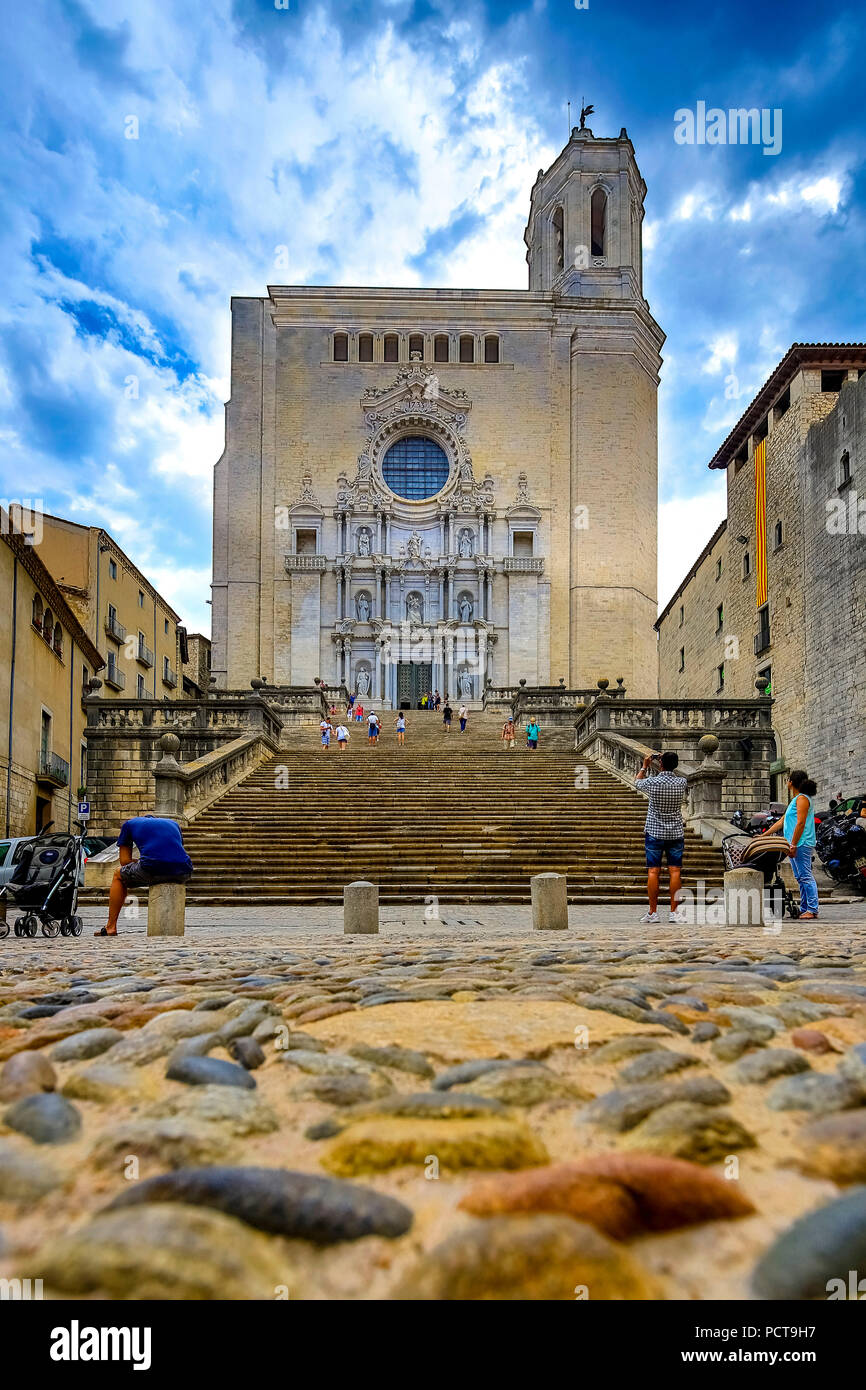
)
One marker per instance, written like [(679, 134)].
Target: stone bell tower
[(583, 243)]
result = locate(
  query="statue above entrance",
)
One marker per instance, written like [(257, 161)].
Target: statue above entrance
[(365, 541), (464, 544)]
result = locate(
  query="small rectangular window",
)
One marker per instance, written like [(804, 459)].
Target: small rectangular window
[(777, 535), (467, 348), (416, 344), (682, 615), (682, 658), (718, 569), (491, 348), (365, 347), (845, 469), (141, 598), (140, 687), (720, 679), (165, 621), (341, 347), (833, 380), (392, 347), (720, 617), (747, 564), (522, 545), (440, 347), (112, 569), (305, 542)]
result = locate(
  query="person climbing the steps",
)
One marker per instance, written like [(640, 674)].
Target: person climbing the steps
[(400, 724), (342, 737), (326, 731)]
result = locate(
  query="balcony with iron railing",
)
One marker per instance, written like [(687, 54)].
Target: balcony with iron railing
[(53, 770), (144, 654), (114, 676), (169, 677), (115, 629)]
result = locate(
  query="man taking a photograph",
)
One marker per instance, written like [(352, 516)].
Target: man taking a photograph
[(663, 833)]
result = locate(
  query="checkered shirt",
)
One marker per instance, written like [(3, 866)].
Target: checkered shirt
[(666, 793)]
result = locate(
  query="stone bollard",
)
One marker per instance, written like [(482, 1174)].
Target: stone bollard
[(166, 904), (360, 907), (549, 902), (744, 898)]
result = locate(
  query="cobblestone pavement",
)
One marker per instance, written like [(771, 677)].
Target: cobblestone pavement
[(458, 1108)]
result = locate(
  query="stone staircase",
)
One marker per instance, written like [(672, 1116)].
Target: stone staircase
[(452, 816)]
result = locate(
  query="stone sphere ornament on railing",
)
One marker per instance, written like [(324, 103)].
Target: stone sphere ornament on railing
[(522, 682), (708, 745), (620, 680), (256, 682), (603, 683), (170, 745)]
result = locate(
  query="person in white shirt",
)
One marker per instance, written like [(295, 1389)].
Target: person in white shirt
[(372, 727), (342, 737), (400, 722), (325, 728), (462, 715)]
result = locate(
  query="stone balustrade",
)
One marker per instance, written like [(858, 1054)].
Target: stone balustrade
[(184, 790)]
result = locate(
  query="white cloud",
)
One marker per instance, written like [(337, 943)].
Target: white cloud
[(685, 526)]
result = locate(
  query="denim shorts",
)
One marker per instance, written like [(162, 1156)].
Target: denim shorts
[(656, 848), (134, 876)]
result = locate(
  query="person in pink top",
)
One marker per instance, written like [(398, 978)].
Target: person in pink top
[(359, 712)]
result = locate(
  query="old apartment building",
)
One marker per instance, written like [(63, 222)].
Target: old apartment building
[(777, 599), (448, 487), (127, 620), (46, 659)]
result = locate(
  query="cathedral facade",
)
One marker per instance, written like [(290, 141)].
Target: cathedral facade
[(447, 489)]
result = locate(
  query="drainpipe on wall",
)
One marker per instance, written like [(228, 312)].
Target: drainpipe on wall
[(12, 691)]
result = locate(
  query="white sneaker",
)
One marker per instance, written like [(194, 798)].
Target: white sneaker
[(650, 917), (679, 916)]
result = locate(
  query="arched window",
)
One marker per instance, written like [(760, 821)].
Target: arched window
[(558, 239), (491, 348), (598, 231), (341, 347), (36, 618), (365, 347), (467, 348), (416, 344), (57, 642), (392, 347), (440, 347), (47, 624)]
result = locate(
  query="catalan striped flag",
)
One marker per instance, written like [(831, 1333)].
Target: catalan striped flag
[(761, 521)]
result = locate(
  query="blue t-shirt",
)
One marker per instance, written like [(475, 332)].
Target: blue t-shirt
[(159, 842)]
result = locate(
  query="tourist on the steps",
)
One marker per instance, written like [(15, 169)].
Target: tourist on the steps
[(342, 737), (372, 726), (350, 705), (162, 859), (532, 733), (437, 700), (359, 712), (463, 715), (400, 722), (664, 833), (447, 715), (326, 731), (507, 734)]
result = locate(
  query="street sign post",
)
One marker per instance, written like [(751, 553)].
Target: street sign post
[(83, 810)]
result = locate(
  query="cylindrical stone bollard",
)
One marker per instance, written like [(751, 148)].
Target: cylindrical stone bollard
[(549, 902), (360, 907), (166, 904), (744, 898)]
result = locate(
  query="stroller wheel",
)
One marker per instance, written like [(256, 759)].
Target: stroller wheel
[(50, 928), (30, 924), (19, 926), (77, 925), (4, 928)]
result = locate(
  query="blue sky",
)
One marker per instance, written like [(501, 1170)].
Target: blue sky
[(388, 142)]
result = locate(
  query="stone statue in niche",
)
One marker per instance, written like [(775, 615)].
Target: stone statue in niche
[(464, 684), (415, 608), (362, 607), (364, 541), (362, 684), (464, 544), (465, 609), (414, 546)]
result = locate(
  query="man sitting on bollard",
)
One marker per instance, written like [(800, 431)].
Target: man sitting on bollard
[(163, 859), (664, 832)]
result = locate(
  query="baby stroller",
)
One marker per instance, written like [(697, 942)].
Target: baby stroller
[(45, 882), (764, 853)]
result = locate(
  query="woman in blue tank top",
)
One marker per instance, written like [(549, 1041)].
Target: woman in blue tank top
[(798, 827)]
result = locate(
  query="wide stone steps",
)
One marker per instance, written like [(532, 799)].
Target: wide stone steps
[(452, 817)]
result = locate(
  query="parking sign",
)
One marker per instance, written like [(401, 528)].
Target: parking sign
[(83, 810)]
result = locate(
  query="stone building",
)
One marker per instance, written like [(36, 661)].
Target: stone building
[(777, 599), (195, 670), (438, 488), (46, 658), (127, 620)]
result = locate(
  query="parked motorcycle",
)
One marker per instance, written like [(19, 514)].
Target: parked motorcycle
[(841, 847), (759, 821)]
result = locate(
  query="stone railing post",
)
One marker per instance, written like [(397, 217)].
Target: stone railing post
[(705, 783), (169, 781)]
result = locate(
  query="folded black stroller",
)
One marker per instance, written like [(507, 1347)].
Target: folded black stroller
[(45, 882), (764, 853)]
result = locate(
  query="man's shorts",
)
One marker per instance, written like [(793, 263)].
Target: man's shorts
[(134, 876), (656, 848)]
